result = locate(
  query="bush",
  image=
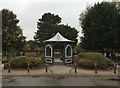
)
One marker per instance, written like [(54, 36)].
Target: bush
[(85, 63), (5, 60), (30, 54), (22, 62), (87, 60), (90, 55)]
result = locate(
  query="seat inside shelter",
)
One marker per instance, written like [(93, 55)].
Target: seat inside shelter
[(58, 49)]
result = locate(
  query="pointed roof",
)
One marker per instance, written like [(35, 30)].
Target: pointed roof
[(58, 38)]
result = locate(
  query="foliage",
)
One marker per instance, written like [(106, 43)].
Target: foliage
[(30, 54), (27, 47), (87, 60), (22, 62), (12, 37), (5, 60), (78, 48), (90, 55), (32, 44), (48, 26), (101, 26), (68, 32)]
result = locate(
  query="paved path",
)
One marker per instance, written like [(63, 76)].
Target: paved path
[(60, 69)]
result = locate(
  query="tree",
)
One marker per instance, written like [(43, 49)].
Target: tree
[(19, 45), (32, 45), (78, 48), (27, 47), (45, 27), (11, 33), (68, 32), (49, 25), (101, 27)]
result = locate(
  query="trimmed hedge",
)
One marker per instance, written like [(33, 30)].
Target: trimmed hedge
[(87, 60), (22, 62)]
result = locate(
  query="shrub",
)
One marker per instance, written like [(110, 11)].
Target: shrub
[(30, 54), (87, 60), (90, 55), (35, 62), (22, 62), (5, 60), (86, 63)]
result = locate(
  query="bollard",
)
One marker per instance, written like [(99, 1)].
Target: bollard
[(28, 67), (95, 67), (115, 67), (75, 68), (9, 65), (46, 67)]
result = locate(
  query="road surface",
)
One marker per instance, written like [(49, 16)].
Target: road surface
[(58, 81)]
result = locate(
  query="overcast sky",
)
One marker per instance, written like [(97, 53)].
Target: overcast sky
[(29, 11)]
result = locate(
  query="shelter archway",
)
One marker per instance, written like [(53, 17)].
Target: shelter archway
[(68, 51), (48, 51)]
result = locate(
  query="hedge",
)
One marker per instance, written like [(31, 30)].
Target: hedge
[(22, 62), (91, 55), (87, 60)]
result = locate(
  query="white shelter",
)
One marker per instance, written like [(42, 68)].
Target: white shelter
[(49, 49)]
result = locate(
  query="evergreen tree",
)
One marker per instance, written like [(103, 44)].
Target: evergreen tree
[(11, 33), (101, 27)]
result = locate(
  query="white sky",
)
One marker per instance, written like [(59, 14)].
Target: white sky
[(29, 11)]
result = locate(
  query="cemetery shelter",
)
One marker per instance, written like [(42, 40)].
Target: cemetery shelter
[(64, 44)]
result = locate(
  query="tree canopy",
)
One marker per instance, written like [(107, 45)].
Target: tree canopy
[(12, 37), (32, 45), (49, 25), (101, 26)]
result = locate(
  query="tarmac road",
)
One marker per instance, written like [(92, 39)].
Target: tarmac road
[(58, 81)]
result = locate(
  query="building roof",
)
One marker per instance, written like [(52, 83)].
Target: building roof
[(58, 38)]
